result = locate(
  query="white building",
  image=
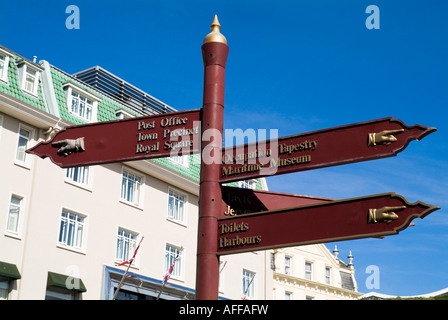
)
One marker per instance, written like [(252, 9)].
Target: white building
[(312, 273), (63, 232)]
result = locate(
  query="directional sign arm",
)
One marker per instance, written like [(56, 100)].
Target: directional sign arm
[(139, 138), (372, 216), (363, 141)]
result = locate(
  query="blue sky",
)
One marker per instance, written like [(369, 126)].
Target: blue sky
[(295, 66)]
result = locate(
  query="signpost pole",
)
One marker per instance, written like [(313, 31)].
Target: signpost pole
[(214, 54)]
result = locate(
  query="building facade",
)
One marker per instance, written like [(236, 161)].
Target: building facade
[(65, 233), (311, 272)]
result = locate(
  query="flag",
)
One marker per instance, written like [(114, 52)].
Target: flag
[(133, 256), (170, 270)]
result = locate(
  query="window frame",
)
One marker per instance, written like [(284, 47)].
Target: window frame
[(52, 293), (288, 266), (248, 184), (131, 249), (125, 200), (63, 244), (84, 185), (251, 292), (183, 220), (69, 88), (23, 67), (309, 272), (181, 160), (26, 163), (4, 75), (178, 270), (17, 233)]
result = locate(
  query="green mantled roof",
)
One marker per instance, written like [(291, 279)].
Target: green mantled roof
[(107, 107), (191, 172), (12, 87)]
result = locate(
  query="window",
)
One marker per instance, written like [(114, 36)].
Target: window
[(59, 294), (79, 175), (182, 160), (173, 255), (247, 184), (25, 136), (308, 270), (123, 114), (327, 275), (30, 80), (248, 285), (29, 76), (129, 295), (176, 205), (131, 187), (81, 106), (4, 61), (272, 261), (14, 214), (2, 66), (288, 295), (288, 262), (71, 230), (4, 288), (126, 245), (81, 103)]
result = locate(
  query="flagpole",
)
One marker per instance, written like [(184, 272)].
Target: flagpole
[(161, 289), (247, 289), (129, 265), (121, 282)]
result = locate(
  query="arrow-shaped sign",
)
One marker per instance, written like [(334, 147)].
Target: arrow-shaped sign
[(329, 147), (139, 138), (372, 216)]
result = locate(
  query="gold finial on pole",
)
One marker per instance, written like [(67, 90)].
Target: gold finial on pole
[(215, 35)]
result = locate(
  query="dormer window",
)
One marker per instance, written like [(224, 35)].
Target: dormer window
[(248, 184), (81, 106), (122, 114), (29, 76), (80, 103), (30, 81), (4, 62)]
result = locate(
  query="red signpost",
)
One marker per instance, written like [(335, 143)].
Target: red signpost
[(214, 55), (132, 139), (371, 216), (233, 220), (329, 147)]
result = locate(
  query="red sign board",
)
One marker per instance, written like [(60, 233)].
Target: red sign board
[(139, 138), (371, 216), (329, 147)]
